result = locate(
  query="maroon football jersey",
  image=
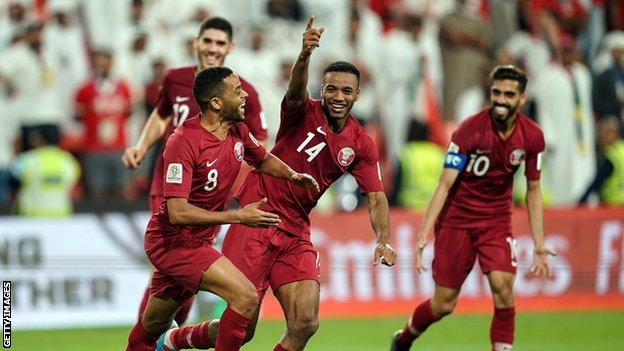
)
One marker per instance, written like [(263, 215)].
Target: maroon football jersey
[(481, 195), (201, 168), (175, 98), (305, 142)]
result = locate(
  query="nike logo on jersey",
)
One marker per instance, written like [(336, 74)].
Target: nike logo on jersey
[(321, 131), (179, 98), (209, 164), (479, 151)]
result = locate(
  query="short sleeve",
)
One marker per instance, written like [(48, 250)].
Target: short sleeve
[(163, 104), (254, 117), (254, 152), (178, 159), (289, 119), (367, 171), (535, 155), (460, 142)]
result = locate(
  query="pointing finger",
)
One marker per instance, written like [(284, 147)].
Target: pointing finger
[(310, 22)]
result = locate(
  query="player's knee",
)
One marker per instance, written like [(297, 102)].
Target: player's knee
[(246, 300), (155, 325), (443, 307), (305, 327), (504, 293)]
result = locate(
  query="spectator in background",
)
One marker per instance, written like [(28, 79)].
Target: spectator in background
[(608, 92), (465, 39), (46, 176), (419, 168), (31, 80), (66, 48), (103, 105), (609, 179), (564, 111), (16, 17)]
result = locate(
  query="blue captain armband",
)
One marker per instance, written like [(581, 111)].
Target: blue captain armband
[(455, 161)]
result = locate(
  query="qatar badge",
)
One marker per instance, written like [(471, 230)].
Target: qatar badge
[(346, 156), (517, 156), (239, 150)]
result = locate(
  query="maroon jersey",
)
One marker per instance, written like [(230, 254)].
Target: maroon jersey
[(305, 142), (175, 98), (201, 168), (481, 195)]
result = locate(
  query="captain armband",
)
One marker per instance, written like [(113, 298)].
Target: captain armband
[(455, 161)]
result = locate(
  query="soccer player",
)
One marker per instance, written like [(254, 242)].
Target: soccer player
[(176, 103), (322, 139), (472, 205), (202, 159)]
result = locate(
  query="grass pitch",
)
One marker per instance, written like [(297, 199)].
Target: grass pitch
[(568, 331)]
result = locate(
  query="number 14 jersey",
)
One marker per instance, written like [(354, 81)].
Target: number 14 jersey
[(305, 142), (481, 195)]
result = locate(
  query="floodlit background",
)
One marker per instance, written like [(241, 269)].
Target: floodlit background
[(76, 259)]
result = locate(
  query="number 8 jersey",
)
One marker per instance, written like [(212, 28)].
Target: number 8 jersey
[(305, 142), (481, 195)]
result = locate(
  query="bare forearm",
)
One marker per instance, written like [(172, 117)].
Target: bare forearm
[(297, 85), (534, 206), (184, 213), (153, 130), (431, 214), (274, 167), (380, 217)]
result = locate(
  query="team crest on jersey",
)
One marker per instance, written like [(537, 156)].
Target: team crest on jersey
[(517, 156), (346, 156), (174, 173), (239, 151)]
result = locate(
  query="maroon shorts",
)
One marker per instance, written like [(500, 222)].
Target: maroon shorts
[(270, 256), (456, 249), (154, 202), (178, 270)]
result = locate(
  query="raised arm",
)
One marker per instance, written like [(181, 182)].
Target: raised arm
[(274, 167), (379, 213), (447, 179), (541, 266), (153, 130), (297, 91)]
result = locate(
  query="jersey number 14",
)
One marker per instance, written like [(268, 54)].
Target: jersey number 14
[(312, 151)]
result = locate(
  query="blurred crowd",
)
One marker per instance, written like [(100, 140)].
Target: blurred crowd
[(78, 78)]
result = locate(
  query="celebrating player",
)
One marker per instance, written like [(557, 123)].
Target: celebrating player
[(322, 139), (176, 103), (472, 205), (202, 159)]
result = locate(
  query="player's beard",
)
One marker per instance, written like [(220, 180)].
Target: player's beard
[(233, 114), (504, 118)]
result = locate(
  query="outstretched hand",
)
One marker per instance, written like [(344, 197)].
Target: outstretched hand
[(132, 157), (541, 266), (311, 37), (252, 216), (305, 180), (385, 254)]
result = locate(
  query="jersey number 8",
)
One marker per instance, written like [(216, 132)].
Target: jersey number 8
[(211, 184)]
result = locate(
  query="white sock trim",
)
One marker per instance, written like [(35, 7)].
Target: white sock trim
[(501, 346), (168, 341)]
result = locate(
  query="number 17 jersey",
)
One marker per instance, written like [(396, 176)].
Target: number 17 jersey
[(306, 143)]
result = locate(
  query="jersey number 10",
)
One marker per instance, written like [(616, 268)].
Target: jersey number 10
[(479, 164)]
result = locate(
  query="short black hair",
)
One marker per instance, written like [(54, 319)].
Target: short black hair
[(342, 66), (218, 23), (510, 72), (209, 83)]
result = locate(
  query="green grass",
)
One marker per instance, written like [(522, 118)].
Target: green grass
[(534, 331)]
